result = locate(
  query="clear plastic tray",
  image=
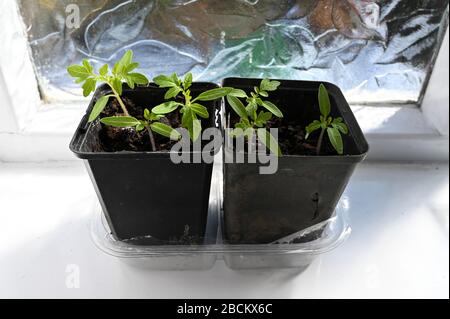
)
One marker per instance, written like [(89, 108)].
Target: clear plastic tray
[(282, 254)]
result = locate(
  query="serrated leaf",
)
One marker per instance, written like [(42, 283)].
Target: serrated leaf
[(88, 66), (98, 108), (269, 141), (78, 71), (165, 130), (200, 110), (237, 106), (166, 108), (213, 94), (126, 60), (138, 78), (188, 81), (324, 101), (172, 92), (132, 67), (272, 108), (89, 86), (164, 81), (104, 70), (121, 121), (336, 140), (267, 85), (175, 78)]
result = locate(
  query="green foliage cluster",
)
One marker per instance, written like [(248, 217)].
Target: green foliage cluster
[(254, 110)]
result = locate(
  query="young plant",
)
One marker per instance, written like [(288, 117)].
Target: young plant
[(121, 72), (251, 119), (190, 108), (151, 123), (333, 127)]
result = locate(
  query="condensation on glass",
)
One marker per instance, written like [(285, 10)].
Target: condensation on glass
[(377, 51)]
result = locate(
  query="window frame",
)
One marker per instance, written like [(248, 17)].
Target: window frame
[(418, 132)]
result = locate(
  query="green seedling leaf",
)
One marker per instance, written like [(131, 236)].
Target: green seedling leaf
[(264, 94), (175, 79), (188, 81), (165, 130), (98, 108), (269, 141), (132, 67), (251, 109), (104, 70), (172, 92), (324, 101), (336, 140), (138, 78), (79, 72), (163, 81), (214, 94), (263, 118), (147, 115), (88, 66), (237, 106), (89, 87), (166, 108), (117, 86), (200, 110), (238, 93), (126, 59), (338, 124), (191, 123), (121, 121), (272, 108), (267, 85), (314, 126)]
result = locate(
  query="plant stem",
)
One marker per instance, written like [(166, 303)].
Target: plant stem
[(320, 142), (119, 99), (152, 138)]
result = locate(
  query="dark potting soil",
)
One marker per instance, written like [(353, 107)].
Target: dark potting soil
[(114, 139), (291, 134), (291, 138)]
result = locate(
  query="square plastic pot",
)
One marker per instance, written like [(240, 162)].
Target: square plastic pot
[(144, 195), (262, 209)]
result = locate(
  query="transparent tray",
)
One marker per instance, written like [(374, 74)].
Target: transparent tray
[(282, 254)]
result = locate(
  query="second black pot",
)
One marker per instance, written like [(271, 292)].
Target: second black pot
[(261, 209), (144, 195)]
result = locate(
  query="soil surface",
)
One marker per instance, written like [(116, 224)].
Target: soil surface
[(291, 134), (114, 139), (291, 138)]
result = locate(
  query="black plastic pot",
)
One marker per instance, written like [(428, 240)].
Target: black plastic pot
[(143, 194), (261, 209)]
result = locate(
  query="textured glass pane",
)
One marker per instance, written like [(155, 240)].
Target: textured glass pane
[(376, 51)]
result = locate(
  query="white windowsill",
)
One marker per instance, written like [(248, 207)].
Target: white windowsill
[(399, 246)]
